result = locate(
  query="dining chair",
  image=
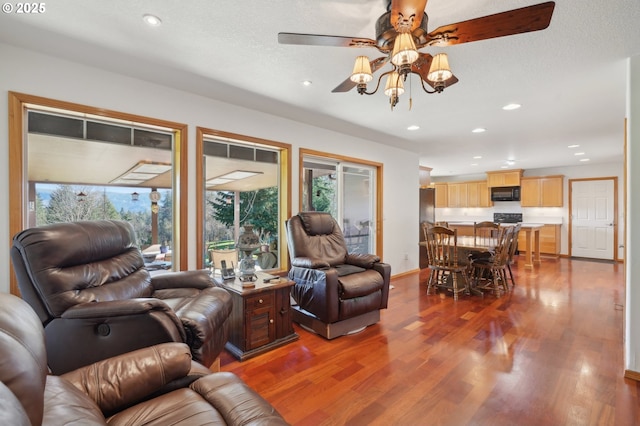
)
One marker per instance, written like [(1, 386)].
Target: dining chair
[(513, 248), (442, 249), (491, 273)]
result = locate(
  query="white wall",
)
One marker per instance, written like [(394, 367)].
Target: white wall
[(36, 74)]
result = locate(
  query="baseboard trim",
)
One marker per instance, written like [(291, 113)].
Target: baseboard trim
[(633, 375)]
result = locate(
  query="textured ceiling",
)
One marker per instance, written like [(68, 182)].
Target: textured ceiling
[(569, 78)]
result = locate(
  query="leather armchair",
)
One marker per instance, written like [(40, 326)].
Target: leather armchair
[(156, 385), (336, 292), (88, 285)]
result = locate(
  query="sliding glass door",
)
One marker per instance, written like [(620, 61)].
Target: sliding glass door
[(348, 191)]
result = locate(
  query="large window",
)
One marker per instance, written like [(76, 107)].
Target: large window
[(242, 181), (349, 189), (74, 162)]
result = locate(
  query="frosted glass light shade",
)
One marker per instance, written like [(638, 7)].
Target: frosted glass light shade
[(361, 71), (439, 70), (404, 50)]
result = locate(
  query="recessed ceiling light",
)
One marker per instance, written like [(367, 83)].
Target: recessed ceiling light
[(477, 157), (307, 83), (151, 20), (584, 159), (573, 146), (510, 162), (504, 167), (510, 107), (413, 127), (474, 164), (579, 153), (479, 130)]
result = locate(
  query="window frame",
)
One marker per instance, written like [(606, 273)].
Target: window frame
[(18, 212)]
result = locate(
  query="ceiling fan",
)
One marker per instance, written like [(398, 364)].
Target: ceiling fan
[(402, 31)]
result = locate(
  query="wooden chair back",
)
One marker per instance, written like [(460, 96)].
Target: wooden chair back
[(485, 233), (442, 247)]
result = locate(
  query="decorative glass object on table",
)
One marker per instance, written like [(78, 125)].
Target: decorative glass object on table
[(248, 243)]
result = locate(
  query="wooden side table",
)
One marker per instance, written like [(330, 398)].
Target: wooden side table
[(261, 318)]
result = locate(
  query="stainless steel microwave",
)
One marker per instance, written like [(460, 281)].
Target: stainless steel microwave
[(508, 193)]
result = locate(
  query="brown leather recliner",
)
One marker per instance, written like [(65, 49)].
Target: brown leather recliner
[(336, 292), (158, 385), (88, 285)]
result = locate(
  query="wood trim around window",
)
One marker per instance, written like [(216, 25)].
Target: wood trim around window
[(285, 188), (343, 158), (18, 103)]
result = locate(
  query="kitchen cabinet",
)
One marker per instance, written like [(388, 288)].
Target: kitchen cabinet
[(441, 195), (549, 240), (504, 178), (478, 194), (546, 191), (457, 194), (463, 194)]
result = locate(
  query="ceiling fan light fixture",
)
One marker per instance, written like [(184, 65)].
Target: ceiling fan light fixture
[(394, 86), (404, 50), (361, 71), (439, 70)]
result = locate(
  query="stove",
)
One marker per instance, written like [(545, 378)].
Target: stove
[(507, 217)]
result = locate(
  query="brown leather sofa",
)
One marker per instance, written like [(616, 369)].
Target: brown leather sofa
[(159, 385), (336, 292), (88, 285)]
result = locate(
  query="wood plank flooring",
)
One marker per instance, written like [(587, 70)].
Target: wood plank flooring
[(547, 353)]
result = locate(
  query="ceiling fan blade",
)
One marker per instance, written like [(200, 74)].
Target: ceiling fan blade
[(347, 85), (324, 40), (516, 21), (402, 10), (421, 65)]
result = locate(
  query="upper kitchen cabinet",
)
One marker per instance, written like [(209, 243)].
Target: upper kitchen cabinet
[(545, 191), (462, 194), (441, 194), (504, 178)]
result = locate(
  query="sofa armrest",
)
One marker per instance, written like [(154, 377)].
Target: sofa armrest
[(118, 382), (236, 401), (307, 262), (198, 279), (115, 308), (316, 291), (362, 260)]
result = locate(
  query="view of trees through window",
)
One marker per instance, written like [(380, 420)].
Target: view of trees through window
[(69, 203)]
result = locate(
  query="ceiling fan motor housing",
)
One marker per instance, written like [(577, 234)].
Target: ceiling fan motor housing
[(386, 32)]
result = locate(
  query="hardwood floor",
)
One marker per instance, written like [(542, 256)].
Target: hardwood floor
[(547, 353)]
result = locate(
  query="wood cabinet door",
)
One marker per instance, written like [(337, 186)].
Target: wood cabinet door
[(441, 195), (551, 191), (530, 192), (260, 326), (484, 196), (453, 195), (512, 178), (473, 199)]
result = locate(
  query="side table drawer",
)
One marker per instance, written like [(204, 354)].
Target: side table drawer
[(260, 301)]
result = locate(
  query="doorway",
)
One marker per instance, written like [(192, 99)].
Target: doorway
[(592, 213)]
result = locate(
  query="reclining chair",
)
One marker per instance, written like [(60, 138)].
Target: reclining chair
[(159, 385), (89, 287), (336, 292)]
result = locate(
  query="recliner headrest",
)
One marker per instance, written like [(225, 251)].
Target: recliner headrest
[(317, 223)]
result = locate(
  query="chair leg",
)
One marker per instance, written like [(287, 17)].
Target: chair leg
[(513, 281)]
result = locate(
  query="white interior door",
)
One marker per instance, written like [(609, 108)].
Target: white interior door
[(592, 218)]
